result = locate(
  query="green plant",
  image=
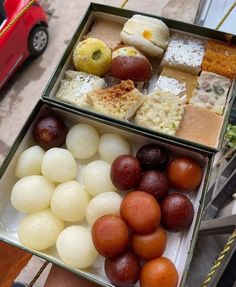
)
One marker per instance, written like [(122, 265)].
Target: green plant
[(230, 135)]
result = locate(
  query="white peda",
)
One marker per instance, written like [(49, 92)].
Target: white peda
[(40, 230), (111, 146), (96, 177), (75, 247), (82, 141), (59, 165), (69, 201), (32, 193), (29, 162), (102, 204)]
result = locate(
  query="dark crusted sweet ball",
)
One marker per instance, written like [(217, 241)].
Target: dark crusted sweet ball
[(123, 270), (152, 156), (177, 212), (154, 182), (125, 172), (50, 131)]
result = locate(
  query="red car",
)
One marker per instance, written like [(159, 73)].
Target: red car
[(23, 32)]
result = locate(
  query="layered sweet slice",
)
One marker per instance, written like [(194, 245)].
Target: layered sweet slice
[(211, 92), (162, 112), (74, 87), (149, 35), (185, 52), (120, 101), (220, 58), (200, 125), (177, 82)]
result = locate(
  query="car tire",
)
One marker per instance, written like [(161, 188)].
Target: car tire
[(38, 40)]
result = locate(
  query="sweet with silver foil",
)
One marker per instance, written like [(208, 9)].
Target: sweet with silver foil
[(74, 87), (177, 82), (184, 52)]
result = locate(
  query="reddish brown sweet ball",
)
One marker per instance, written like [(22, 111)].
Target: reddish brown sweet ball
[(132, 68), (149, 246), (154, 182), (125, 172), (159, 272), (177, 212), (124, 270), (130, 64), (184, 174), (50, 132), (152, 156), (141, 212), (110, 235)]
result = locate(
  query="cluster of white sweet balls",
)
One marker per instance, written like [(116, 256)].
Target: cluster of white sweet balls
[(48, 192)]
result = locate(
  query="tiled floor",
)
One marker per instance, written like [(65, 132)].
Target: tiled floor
[(25, 88)]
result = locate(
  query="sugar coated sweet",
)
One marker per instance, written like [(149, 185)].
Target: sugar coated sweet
[(59, 165), (102, 204), (75, 247), (82, 141), (96, 177), (69, 201), (29, 162), (32, 193), (40, 230), (111, 146)]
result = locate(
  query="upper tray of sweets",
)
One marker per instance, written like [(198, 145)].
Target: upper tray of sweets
[(141, 71)]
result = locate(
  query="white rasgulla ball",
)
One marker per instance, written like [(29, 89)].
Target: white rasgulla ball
[(40, 230), (59, 165), (75, 247), (82, 141), (111, 146), (29, 162), (96, 177), (69, 201), (32, 193), (102, 204)]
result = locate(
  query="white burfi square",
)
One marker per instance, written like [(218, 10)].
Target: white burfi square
[(185, 52)]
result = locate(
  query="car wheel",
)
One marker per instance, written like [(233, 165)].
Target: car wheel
[(38, 40)]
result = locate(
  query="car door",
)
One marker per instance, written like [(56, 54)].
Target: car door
[(11, 46), (2, 40)]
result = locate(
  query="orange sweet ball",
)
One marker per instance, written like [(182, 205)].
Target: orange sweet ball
[(159, 272), (184, 174), (141, 211), (149, 246), (110, 235)]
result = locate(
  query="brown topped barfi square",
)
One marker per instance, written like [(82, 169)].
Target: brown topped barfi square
[(107, 31), (200, 125)]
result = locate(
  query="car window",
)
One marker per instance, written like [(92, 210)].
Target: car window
[(2, 13)]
